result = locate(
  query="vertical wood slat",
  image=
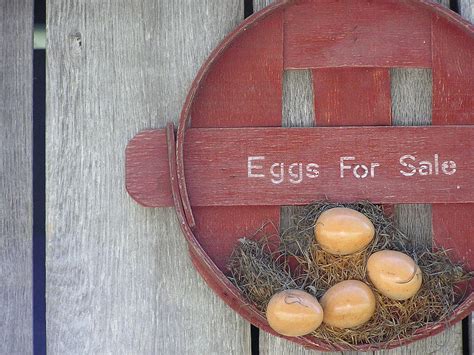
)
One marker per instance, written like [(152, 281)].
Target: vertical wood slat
[(119, 278), (236, 93), (16, 99), (352, 96), (298, 111), (466, 10), (453, 103)]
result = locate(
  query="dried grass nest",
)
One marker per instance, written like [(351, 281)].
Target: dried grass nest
[(263, 264)]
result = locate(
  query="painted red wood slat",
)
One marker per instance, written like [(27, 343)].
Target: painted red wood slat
[(219, 157), (453, 73), (332, 33), (147, 170), (352, 96), (244, 89), (453, 103)]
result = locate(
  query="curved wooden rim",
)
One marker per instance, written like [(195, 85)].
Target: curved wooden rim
[(206, 267), (184, 118)]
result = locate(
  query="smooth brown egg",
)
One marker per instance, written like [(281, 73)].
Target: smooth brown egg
[(348, 304), (394, 274), (294, 313), (343, 231)]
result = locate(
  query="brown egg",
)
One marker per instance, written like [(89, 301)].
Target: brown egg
[(394, 274), (294, 313), (343, 231), (348, 304)]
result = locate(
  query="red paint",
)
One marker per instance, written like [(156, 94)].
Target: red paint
[(352, 33), (453, 103), (358, 33), (146, 169), (226, 165), (219, 228), (453, 73), (244, 89), (352, 97)]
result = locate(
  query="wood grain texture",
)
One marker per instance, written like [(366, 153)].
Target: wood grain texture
[(466, 8), (298, 111), (119, 278), (282, 171), (274, 166), (412, 106), (453, 103), (147, 173), (352, 96), (453, 77), (298, 99), (242, 89), (16, 99), (329, 33), (457, 84)]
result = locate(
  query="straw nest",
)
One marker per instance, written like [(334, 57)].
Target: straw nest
[(263, 264)]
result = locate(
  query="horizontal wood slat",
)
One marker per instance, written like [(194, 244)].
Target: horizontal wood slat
[(217, 171), (331, 33), (148, 166)]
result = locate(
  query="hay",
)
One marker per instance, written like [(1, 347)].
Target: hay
[(259, 269)]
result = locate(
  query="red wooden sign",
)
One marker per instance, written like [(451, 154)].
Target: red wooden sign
[(277, 166), (230, 168)]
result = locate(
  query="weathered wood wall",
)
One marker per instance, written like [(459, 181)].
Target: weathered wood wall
[(16, 95), (119, 279), (119, 276)]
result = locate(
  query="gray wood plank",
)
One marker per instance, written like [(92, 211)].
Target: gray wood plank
[(466, 9), (119, 279), (16, 99)]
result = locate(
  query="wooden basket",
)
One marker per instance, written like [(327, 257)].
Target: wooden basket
[(233, 166)]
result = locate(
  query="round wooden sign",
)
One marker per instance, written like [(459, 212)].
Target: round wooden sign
[(233, 166)]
